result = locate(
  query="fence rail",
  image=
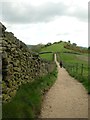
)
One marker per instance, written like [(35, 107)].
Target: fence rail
[(77, 68)]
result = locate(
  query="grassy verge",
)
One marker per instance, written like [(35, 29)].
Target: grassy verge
[(47, 56), (77, 66), (27, 102)]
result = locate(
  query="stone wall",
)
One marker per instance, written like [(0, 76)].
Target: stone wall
[(19, 65)]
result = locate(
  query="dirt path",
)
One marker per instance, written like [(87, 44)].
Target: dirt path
[(66, 99)]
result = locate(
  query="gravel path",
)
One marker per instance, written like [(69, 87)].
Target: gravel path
[(66, 99)]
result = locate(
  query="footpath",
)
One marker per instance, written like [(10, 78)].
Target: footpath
[(67, 98)]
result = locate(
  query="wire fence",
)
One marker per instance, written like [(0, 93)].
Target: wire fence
[(77, 68), (80, 72)]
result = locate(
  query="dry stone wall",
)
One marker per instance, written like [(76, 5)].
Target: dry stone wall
[(19, 65)]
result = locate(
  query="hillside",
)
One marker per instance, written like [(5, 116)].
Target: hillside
[(57, 47), (63, 47)]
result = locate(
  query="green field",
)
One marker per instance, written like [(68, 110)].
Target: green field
[(74, 58), (47, 56), (59, 47)]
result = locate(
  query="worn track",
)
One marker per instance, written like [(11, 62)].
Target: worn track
[(66, 99)]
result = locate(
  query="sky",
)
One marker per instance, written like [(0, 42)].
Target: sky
[(42, 21)]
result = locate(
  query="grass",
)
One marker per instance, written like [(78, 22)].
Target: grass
[(59, 47), (47, 56), (28, 100), (74, 58)]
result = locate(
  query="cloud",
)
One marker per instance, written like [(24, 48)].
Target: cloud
[(31, 14), (59, 34), (80, 13), (27, 13)]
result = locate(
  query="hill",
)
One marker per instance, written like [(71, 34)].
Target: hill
[(64, 47), (56, 47)]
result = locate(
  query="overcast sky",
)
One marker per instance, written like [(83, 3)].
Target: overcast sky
[(43, 21)]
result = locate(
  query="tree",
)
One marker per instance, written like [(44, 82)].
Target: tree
[(36, 48), (69, 41), (89, 48), (48, 44), (74, 44)]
